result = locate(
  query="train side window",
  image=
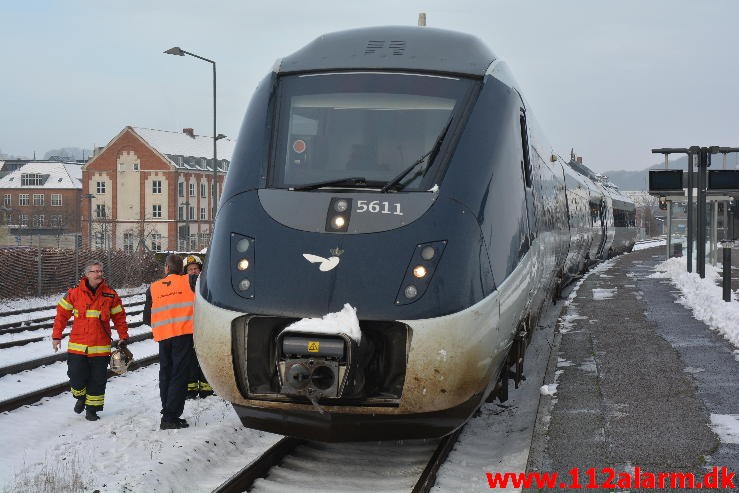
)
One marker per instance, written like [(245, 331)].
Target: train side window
[(525, 146)]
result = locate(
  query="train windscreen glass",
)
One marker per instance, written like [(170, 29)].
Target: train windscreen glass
[(373, 126)]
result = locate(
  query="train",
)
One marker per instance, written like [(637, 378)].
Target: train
[(394, 175)]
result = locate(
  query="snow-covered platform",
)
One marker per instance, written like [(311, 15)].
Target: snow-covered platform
[(637, 379)]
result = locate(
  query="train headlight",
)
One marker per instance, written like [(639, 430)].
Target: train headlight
[(419, 272), (428, 252), (338, 222), (410, 291), (243, 251), (243, 245), (338, 215)]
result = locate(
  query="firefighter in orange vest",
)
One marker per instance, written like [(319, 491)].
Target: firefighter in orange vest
[(197, 385), (94, 305), (169, 311)]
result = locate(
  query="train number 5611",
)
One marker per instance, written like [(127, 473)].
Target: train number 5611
[(378, 207)]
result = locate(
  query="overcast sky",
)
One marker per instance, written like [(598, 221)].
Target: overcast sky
[(611, 79)]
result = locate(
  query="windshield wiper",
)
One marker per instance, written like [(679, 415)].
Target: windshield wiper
[(395, 182), (356, 181)]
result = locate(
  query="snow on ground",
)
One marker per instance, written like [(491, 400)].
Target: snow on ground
[(643, 245), (703, 296), (125, 451)]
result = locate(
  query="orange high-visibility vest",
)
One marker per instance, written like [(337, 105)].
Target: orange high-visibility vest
[(172, 307)]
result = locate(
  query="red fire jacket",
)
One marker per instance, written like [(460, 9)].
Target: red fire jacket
[(93, 313)]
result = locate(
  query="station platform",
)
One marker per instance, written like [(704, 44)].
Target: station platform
[(637, 381)]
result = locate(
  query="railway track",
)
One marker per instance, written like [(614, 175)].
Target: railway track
[(51, 391), (53, 358), (53, 307), (298, 465), (47, 321)]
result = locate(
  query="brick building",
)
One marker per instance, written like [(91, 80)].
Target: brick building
[(41, 204), (152, 189)]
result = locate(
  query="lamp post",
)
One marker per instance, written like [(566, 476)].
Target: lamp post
[(180, 52), (89, 196)]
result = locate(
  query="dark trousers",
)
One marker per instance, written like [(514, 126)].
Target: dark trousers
[(175, 366), (87, 377), (196, 376)]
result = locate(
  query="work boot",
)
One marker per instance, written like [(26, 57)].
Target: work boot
[(205, 390), (91, 415), (173, 424), (192, 390), (79, 406)]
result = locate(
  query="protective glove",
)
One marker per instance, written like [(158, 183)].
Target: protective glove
[(123, 346)]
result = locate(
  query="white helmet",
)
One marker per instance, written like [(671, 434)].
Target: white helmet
[(119, 360), (192, 259)]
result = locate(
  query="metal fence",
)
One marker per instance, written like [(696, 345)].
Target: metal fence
[(36, 272)]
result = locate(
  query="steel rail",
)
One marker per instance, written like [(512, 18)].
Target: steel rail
[(21, 325), (53, 390), (41, 308), (259, 468), (53, 358), (428, 477)]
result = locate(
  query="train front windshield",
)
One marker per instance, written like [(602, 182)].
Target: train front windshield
[(369, 125)]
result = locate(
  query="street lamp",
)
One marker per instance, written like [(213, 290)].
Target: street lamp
[(180, 52)]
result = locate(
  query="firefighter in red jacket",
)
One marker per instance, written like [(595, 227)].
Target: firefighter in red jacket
[(94, 305)]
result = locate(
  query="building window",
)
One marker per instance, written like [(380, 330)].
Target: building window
[(192, 213), (181, 189), (156, 242), (156, 210), (38, 199), (56, 199), (6, 200), (192, 189), (181, 213), (23, 199), (121, 166), (156, 186), (38, 221), (202, 189), (135, 166), (100, 210), (23, 219), (56, 221), (31, 180), (128, 242), (202, 214), (100, 187)]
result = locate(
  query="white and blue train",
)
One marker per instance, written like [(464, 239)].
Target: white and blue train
[(400, 171)]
